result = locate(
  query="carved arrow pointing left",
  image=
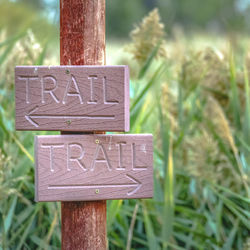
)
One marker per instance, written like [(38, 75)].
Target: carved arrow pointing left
[(31, 116)]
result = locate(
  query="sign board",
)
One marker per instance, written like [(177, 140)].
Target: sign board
[(93, 167), (72, 98)]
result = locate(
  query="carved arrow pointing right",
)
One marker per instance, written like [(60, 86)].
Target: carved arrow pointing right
[(137, 184)]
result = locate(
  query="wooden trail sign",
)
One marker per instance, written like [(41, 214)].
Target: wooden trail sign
[(72, 98), (93, 167)]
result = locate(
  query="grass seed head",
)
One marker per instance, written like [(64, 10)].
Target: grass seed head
[(25, 52), (220, 123), (146, 37)]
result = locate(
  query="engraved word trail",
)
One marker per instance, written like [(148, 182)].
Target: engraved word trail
[(72, 98), (93, 167)]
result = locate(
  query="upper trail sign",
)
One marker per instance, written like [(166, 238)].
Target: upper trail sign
[(72, 98)]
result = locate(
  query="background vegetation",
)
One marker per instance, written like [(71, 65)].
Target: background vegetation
[(189, 88)]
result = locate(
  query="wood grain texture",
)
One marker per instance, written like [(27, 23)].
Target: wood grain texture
[(72, 98), (82, 32), (84, 225), (93, 167)]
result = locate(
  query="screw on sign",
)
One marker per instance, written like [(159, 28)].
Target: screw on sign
[(83, 171)]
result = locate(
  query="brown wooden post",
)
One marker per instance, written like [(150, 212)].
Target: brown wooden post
[(82, 42)]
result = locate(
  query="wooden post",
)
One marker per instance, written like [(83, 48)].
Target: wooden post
[(82, 42)]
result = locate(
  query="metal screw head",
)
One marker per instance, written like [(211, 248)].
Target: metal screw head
[(68, 122), (97, 141), (97, 191), (67, 71)]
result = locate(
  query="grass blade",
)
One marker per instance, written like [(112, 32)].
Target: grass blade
[(151, 237), (12, 39), (230, 240), (149, 60), (234, 98), (168, 207), (8, 219), (6, 53), (246, 121), (42, 55), (138, 102), (113, 209), (131, 228)]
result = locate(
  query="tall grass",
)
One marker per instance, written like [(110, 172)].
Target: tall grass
[(198, 108), (199, 115)]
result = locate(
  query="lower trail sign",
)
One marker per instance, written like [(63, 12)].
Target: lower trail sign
[(93, 167)]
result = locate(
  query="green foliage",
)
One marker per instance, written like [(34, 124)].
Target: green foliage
[(24, 224), (198, 113), (16, 17), (122, 15), (193, 15), (197, 105)]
